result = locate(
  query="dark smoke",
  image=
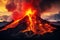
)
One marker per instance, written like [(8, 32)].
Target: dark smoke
[(11, 6), (46, 4)]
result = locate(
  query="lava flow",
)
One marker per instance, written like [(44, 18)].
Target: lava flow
[(24, 9)]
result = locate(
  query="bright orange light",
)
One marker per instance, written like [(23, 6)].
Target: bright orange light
[(12, 25), (30, 11)]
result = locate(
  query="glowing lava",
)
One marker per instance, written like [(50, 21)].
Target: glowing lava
[(32, 24), (29, 11)]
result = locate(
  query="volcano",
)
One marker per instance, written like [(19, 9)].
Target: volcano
[(28, 16)]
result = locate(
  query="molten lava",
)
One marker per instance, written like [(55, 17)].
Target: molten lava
[(30, 12), (37, 29)]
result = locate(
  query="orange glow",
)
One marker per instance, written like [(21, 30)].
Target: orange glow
[(12, 25), (30, 11), (2, 5), (45, 28)]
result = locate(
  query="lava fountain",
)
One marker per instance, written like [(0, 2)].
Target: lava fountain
[(22, 10)]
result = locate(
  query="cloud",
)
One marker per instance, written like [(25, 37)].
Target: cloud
[(5, 16), (52, 18)]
